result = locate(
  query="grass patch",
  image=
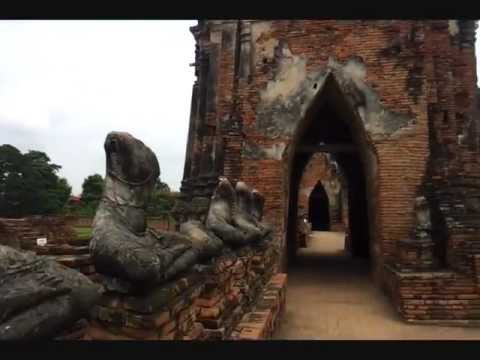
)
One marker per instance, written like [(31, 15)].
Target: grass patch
[(83, 232)]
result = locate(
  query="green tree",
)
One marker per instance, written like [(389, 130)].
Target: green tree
[(11, 181), (59, 195), (161, 187), (92, 190), (29, 184), (162, 200)]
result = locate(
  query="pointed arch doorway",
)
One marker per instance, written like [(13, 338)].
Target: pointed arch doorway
[(325, 286), (332, 125)]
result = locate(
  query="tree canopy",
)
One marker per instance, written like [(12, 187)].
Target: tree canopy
[(162, 200), (92, 189), (29, 184)]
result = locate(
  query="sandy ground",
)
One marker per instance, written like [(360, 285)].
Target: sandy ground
[(331, 297)]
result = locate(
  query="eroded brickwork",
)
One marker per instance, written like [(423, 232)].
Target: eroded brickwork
[(62, 242), (241, 297), (408, 92), (24, 232)]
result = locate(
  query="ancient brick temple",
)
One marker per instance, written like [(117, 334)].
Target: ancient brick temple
[(393, 103)]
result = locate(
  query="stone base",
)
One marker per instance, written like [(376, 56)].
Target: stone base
[(455, 323), (441, 297), (205, 306), (165, 313), (233, 289), (415, 255), (263, 320)]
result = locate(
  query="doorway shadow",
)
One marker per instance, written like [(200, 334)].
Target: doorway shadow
[(326, 257)]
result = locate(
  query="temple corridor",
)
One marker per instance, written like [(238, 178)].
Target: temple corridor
[(331, 297)]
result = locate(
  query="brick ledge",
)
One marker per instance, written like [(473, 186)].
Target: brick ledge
[(457, 323)]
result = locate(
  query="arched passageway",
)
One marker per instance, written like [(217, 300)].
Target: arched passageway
[(318, 209), (332, 126), (335, 264)]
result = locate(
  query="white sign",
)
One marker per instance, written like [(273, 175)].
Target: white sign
[(42, 241)]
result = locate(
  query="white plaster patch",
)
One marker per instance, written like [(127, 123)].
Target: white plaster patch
[(275, 151), (375, 123), (292, 77), (291, 74), (404, 131), (259, 28), (453, 28), (334, 64), (216, 37), (355, 70), (266, 50)]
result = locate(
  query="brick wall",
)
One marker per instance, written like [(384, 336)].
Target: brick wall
[(240, 297), (414, 100), (314, 42), (62, 243), (28, 230), (442, 297), (158, 223)]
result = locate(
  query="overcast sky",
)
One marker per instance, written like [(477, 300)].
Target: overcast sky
[(65, 84)]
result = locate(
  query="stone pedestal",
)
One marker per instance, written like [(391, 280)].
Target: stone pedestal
[(164, 313), (205, 306), (261, 322), (415, 255)]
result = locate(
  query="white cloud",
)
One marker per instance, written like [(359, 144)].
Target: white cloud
[(65, 84)]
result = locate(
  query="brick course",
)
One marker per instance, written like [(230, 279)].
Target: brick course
[(206, 306)]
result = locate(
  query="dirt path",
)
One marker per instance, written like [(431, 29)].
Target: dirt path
[(330, 296)]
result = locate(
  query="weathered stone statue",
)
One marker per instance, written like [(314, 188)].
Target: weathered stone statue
[(220, 215), (122, 247), (204, 241), (39, 298), (242, 216), (130, 256), (232, 216), (423, 228), (422, 212), (258, 202)]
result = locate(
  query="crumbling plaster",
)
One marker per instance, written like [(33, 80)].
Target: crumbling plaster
[(287, 97)]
